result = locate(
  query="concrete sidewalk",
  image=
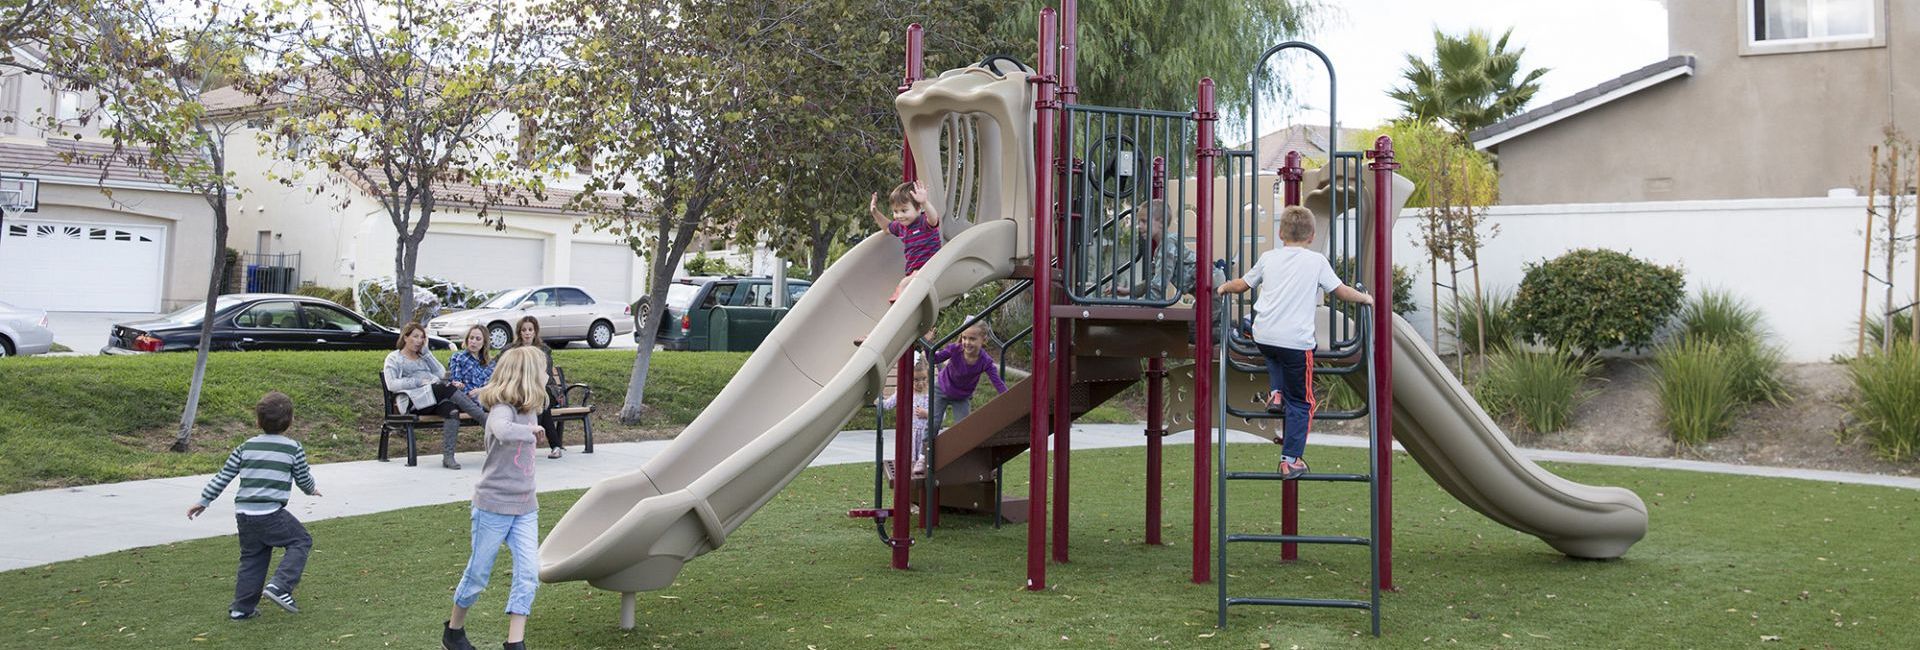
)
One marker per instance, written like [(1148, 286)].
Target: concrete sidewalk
[(55, 525)]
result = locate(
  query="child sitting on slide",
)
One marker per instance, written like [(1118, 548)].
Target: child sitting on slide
[(915, 221), (1290, 279)]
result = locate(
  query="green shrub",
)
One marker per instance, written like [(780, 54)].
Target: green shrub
[(700, 264), (1876, 328), (343, 297), (1887, 386), (1331, 393), (1698, 389), (1495, 311), (1403, 303), (1724, 319), (1535, 389), (1591, 299), (1720, 317)]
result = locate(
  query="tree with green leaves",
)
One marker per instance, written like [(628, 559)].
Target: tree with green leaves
[(1454, 184), (402, 99), (152, 66), (54, 26), (1471, 82), (1151, 53)]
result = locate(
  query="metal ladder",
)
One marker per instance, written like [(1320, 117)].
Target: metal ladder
[(1363, 350)]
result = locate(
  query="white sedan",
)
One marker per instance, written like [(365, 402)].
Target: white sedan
[(565, 313), (23, 331)]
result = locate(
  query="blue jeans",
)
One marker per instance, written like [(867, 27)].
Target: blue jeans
[(521, 534), (1290, 372)]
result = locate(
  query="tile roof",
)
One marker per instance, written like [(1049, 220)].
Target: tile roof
[(1308, 139), (77, 160)]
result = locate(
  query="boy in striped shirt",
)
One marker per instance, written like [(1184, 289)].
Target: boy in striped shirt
[(268, 466), (915, 221)]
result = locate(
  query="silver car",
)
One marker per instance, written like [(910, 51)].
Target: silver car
[(23, 331), (566, 314)]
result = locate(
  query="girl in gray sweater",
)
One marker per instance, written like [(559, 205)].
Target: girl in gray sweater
[(505, 509)]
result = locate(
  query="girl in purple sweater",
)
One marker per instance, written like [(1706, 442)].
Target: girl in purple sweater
[(964, 362)]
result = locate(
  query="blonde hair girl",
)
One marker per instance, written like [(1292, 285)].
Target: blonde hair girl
[(505, 509)]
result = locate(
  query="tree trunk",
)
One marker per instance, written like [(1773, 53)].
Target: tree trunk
[(821, 246), (182, 439), (668, 248), (1893, 251)]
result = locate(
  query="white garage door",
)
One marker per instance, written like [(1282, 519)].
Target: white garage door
[(64, 266), (605, 271), (481, 262)]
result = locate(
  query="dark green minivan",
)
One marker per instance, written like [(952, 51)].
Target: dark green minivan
[(720, 313)]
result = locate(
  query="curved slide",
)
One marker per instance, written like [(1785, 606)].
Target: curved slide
[(634, 532), (1465, 451)]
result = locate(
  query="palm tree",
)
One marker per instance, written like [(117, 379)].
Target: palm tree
[(1471, 83)]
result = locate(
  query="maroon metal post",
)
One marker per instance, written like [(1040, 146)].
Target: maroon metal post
[(1045, 103), (903, 409), (1156, 416), (1290, 175), (1383, 166), (1203, 338), (1063, 371)]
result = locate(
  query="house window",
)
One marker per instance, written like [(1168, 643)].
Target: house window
[(1775, 26), (10, 104), (68, 109)]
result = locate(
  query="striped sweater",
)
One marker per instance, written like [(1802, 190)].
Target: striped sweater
[(268, 466)]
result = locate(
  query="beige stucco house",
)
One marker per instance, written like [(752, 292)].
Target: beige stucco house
[(139, 246), (338, 235), (1759, 99)]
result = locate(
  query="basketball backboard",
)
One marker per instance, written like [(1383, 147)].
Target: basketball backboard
[(19, 193)]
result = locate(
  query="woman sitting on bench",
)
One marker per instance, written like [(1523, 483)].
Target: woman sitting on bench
[(412, 372)]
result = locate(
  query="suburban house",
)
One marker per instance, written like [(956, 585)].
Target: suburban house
[(325, 229), (145, 248), (1759, 98)]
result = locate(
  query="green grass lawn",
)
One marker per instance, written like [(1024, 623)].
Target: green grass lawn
[(1731, 561), (84, 420)]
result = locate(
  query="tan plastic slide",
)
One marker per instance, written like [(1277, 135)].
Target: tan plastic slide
[(1465, 451), (634, 532)]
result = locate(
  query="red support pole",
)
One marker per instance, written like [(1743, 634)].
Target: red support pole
[(1063, 377), (1203, 339), (1156, 429), (1383, 166), (1045, 103), (903, 410), (1291, 174), (1156, 416)]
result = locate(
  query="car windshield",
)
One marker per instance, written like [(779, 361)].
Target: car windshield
[(506, 300), (680, 296), (191, 314)]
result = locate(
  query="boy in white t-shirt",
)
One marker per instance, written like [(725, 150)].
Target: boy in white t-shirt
[(1290, 279)]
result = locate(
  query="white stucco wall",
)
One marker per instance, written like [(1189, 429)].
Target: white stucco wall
[(1797, 260)]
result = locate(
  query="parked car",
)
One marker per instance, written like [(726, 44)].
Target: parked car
[(23, 331), (691, 301), (566, 314), (260, 321)]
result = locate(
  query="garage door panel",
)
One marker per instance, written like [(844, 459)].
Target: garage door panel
[(481, 262), (68, 266), (604, 270)]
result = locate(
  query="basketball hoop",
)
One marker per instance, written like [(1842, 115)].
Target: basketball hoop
[(18, 194)]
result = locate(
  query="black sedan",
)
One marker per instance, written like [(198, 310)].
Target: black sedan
[(259, 321)]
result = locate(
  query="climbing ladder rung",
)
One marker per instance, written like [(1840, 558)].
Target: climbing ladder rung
[(1276, 476), (1298, 539), (1302, 602)]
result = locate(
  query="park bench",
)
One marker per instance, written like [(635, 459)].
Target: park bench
[(395, 421)]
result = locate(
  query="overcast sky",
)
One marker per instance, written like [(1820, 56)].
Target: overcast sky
[(1584, 42)]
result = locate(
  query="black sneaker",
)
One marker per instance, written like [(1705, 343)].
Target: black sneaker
[(281, 598), (514, 645), (452, 639), (241, 616), (1276, 404)]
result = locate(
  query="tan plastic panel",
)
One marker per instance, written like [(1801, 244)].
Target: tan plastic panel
[(634, 532), (1005, 141)]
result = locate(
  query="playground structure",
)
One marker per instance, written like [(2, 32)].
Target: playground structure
[(1053, 195)]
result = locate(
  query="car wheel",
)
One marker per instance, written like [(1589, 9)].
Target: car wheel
[(6, 347), (601, 334), (499, 335), (640, 311)]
